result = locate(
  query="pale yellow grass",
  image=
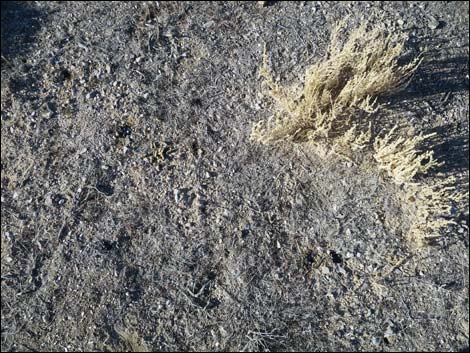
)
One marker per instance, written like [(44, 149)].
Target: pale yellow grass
[(335, 89), (333, 111)]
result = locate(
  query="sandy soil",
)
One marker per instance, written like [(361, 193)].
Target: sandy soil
[(137, 214)]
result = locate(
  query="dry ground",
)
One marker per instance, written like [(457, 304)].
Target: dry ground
[(137, 214)]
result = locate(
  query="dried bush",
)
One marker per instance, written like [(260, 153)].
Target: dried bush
[(429, 204), (332, 110), (338, 90), (400, 156), (430, 208)]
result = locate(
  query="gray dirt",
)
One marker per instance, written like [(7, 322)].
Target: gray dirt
[(137, 214)]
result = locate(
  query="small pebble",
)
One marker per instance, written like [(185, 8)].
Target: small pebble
[(341, 270), (92, 94), (176, 194), (376, 341), (46, 110), (433, 23), (208, 24), (48, 200)]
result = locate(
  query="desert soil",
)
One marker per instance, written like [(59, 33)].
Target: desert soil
[(136, 214)]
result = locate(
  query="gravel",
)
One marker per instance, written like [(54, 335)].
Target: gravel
[(137, 214)]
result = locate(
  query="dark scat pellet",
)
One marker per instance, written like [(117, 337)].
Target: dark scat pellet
[(105, 189), (309, 258), (124, 131), (245, 233), (337, 258)]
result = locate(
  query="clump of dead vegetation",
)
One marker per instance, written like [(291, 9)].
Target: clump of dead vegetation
[(333, 111), (400, 156), (429, 204), (431, 207), (337, 90), (131, 340)]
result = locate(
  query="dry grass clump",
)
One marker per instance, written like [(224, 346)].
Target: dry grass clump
[(431, 208), (343, 85), (400, 156), (332, 110), (132, 341), (429, 204)]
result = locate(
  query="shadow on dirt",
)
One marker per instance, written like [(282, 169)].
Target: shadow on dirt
[(453, 150), (429, 94), (440, 76), (433, 84), (20, 20)]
